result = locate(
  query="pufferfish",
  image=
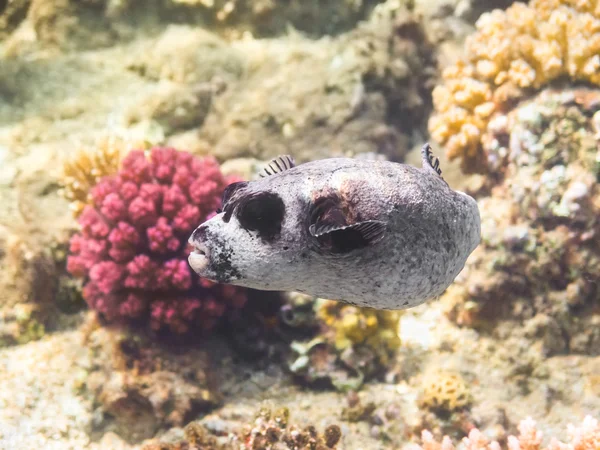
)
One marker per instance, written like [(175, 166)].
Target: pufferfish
[(370, 233)]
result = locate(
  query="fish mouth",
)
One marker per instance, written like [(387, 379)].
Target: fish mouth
[(198, 258)]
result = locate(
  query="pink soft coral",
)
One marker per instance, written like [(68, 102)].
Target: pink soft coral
[(584, 437), (132, 248)]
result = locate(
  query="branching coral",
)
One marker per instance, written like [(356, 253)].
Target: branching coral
[(513, 53), (583, 437), (132, 248), (86, 169)]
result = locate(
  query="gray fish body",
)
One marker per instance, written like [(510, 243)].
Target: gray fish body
[(370, 233)]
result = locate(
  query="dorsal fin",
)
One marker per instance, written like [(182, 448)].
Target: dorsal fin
[(278, 165), (429, 160)]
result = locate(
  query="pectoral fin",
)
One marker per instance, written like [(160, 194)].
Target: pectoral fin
[(344, 239)]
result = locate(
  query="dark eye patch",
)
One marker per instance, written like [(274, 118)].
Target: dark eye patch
[(262, 212)]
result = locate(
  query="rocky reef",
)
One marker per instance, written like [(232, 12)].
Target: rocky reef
[(538, 259), (585, 436), (349, 344), (270, 430), (239, 82), (139, 387), (513, 54), (368, 91)]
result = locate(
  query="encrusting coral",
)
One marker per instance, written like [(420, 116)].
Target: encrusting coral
[(132, 247), (512, 54), (583, 437)]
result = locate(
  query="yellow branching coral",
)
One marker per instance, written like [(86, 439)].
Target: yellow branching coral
[(355, 326), (445, 391), (82, 172), (513, 53)]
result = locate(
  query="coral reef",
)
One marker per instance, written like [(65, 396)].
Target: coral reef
[(272, 427), (383, 420), (445, 391), (201, 58), (19, 325), (267, 17), (513, 54), (139, 387), (535, 270), (368, 91), (132, 248), (73, 24), (83, 171), (352, 344), (353, 326), (583, 437), (29, 278), (196, 437), (270, 430)]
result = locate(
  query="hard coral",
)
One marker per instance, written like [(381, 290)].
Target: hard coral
[(445, 392), (376, 329), (536, 268), (132, 248), (82, 172), (271, 428), (584, 437), (512, 54), (269, 431), (349, 345)]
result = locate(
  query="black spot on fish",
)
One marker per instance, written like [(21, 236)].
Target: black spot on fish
[(220, 262), (223, 268), (199, 234)]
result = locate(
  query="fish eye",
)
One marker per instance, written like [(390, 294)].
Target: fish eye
[(263, 212)]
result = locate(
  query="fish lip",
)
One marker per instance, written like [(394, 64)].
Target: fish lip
[(199, 257)]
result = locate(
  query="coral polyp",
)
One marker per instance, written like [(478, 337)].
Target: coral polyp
[(132, 247), (513, 54)]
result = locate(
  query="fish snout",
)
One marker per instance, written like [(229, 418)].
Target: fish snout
[(200, 255)]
